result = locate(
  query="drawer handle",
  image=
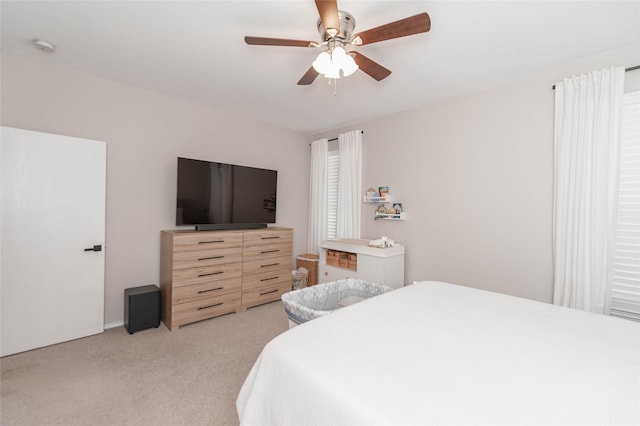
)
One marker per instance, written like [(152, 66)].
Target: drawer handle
[(269, 238), (268, 292), (209, 258), (269, 279), (210, 306), (270, 264), (207, 291), (211, 242), (269, 251), (212, 273)]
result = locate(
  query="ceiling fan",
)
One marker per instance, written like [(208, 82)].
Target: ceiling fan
[(336, 29)]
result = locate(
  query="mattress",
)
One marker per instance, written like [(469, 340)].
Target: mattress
[(438, 353)]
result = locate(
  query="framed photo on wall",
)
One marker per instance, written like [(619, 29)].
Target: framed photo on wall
[(396, 208)]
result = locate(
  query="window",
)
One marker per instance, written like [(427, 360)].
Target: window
[(333, 164), (625, 291)]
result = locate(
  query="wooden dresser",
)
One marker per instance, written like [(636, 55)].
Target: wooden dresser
[(209, 273)]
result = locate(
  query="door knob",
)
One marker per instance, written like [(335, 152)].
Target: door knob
[(97, 247)]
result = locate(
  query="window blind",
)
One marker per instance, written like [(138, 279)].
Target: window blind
[(333, 162), (625, 290)]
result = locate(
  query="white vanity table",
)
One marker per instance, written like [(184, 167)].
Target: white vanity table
[(377, 265)]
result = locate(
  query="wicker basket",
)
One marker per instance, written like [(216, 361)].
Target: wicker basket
[(298, 281), (309, 261)]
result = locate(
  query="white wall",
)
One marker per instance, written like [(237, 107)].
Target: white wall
[(474, 173), (475, 176), (145, 132)]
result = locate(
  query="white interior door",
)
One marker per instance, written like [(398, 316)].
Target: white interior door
[(53, 208)]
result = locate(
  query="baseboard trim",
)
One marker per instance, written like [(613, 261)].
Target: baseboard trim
[(114, 325)]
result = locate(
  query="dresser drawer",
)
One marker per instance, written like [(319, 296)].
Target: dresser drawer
[(200, 258), (269, 293), (197, 241), (197, 310), (266, 265), (262, 279), (267, 251), (189, 276), (194, 292), (268, 236)]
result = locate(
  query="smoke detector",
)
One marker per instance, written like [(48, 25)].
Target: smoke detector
[(44, 45)]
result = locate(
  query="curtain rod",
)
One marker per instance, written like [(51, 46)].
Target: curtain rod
[(335, 139), (625, 70)]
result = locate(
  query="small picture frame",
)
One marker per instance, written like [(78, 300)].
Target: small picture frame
[(383, 191), (372, 193), (396, 208), (382, 209)]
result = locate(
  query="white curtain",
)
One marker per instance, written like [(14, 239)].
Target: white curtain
[(588, 112), (349, 184), (317, 227)]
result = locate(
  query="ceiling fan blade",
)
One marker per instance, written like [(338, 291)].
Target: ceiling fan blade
[(372, 68), (265, 41), (420, 23), (328, 10), (308, 77)]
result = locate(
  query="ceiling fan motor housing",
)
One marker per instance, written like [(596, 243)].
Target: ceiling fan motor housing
[(347, 24)]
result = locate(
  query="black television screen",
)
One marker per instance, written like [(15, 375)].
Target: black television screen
[(222, 196)]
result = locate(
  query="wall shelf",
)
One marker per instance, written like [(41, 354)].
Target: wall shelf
[(382, 210), (393, 216), (377, 200)]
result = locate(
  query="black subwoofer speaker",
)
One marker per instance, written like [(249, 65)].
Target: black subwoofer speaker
[(141, 308)]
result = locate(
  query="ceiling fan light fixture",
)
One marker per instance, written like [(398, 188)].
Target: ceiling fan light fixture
[(338, 54), (331, 64), (349, 66), (333, 72), (322, 63)]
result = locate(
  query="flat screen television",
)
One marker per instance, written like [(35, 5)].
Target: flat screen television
[(224, 196)]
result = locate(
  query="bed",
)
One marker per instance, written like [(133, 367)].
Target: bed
[(438, 353)]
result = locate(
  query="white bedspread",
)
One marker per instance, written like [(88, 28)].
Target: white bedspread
[(437, 353)]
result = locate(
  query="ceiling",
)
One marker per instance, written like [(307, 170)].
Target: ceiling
[(195, 49)]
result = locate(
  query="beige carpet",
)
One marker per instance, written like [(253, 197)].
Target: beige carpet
[(191, 376)]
